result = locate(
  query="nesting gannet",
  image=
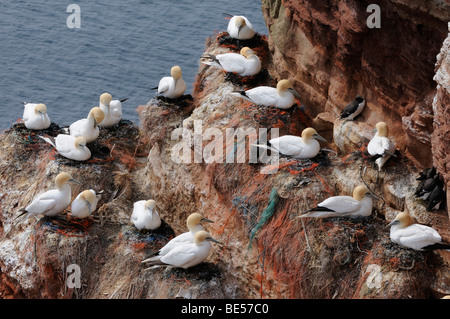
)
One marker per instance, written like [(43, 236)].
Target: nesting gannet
[(145, 216), (239, 27), (173, 86), (193, 224), (35, 116), (344, 206), (246, 63), (84, 204), (283, 96), (70, 146), (353, 109), (88, 127), (112, 110), (187, 254), (415, 236), (303, 147), (380, 146)]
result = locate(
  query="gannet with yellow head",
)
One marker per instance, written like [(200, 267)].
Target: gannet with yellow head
[(239, 27), (88, 127), (35, 116), (69, 146), (283, 96), (380, 146), (344, 206), (84, 204), (145, 216), (245, 63), (112, 110), (173, 86)]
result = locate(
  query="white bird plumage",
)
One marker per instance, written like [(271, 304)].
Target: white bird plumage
[(415, 236), (88, 127), (145, 216), (298, 147), (344, 206), (239, 27), (245, 63), (69, 146), (35, 116), (84, 204), (173, 86), (283, 96), (112, 110), (193, 223), (187, 254), (380, 145)]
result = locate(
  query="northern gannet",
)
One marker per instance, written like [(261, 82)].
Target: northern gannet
[(193, 224), (381, 147), (239, 27), (353, 109), (283, 96), (84, 204), (303, 147), (187, 254), (88, 127), (246, 63), (112, 110), (173, 86), (35, 116), (415, 236), (69, 146), (145, 216), (344, 206)]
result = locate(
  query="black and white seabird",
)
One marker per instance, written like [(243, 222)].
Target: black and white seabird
[(353, 109), (437, 195)]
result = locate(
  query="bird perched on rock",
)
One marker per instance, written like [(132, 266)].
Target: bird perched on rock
[(193, 224), (84, 204), (298, 147), (173, 86), (112, 110), (344, 206), (186, 254), (88, 127), (145, 216), (69, 146), (282, 97), (239, 27), (380, 146), (415, 236), (51, 202), (353, 109), (437, 195), (35, 116), (246, 63)]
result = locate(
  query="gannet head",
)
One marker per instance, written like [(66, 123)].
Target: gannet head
[(40, 108), (105, 99), (195, 219), (309, 133), (286, 86), (239, 22), (247, 52), (201, 236), (64, 178), (382, 129), (89, 198), (150, 205), (98, 115), (175, 72), (80, 142), (360, 191), (403, 219)]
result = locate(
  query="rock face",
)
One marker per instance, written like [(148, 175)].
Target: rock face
[(194, 155)]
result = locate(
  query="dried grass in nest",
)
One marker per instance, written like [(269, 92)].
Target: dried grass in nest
[(258, 44), (67, 225), (183, 102), (262, 78), (149, 240)]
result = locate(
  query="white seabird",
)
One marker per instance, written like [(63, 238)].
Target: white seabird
[(193, 224), (303, 147), (145, 215), (353, 109), (88, 127), (415, 236), (381, 147), (35, 116), (282, 97), (69, 146), (344, 206), (187, 254), (246, 63), (112, 110), (239, 27), (84, 204), (173, 86)]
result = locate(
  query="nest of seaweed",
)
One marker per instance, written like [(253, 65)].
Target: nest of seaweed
[(182, 102), (262, 77), (67, 225), (224, 40)]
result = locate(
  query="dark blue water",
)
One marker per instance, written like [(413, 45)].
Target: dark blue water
[(123, 47)]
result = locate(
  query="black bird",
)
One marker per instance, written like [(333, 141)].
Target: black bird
[(353, 109), (436, 196)]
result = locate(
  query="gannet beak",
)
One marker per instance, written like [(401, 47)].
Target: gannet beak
[(320, 138), (73, 180), (392, 223), (206, 220), (89, 207), (295, 93), (374, 130), (42, 115), (372, 196), (212, 239)]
